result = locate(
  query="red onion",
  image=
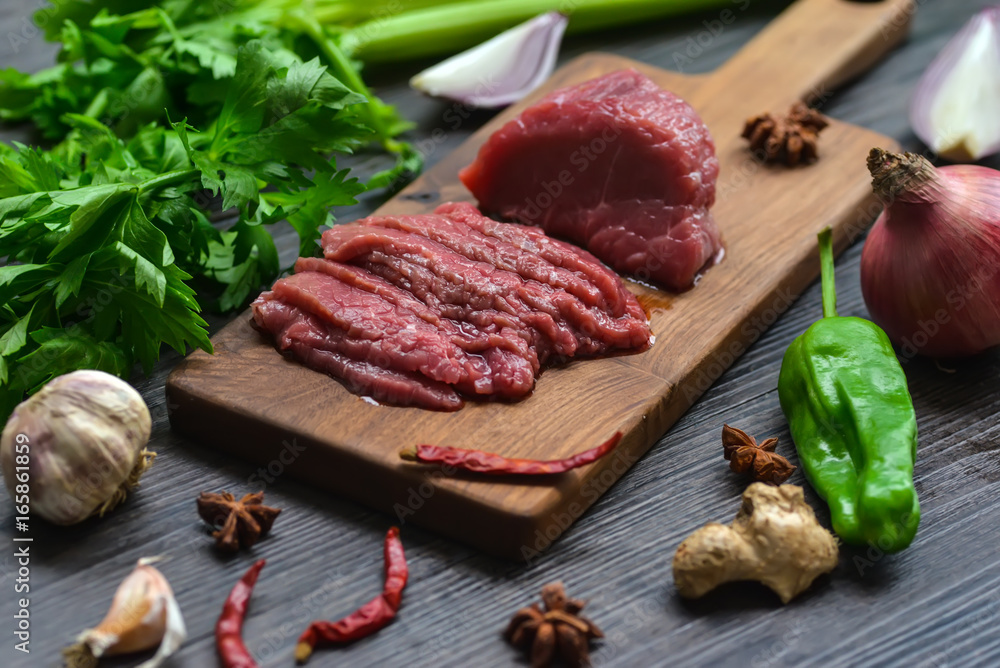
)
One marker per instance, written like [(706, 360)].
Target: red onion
[(930, 269)]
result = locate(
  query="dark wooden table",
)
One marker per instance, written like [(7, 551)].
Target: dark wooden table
[(936, 604)]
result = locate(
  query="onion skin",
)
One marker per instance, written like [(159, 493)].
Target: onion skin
[(86, 431), (930, 268)]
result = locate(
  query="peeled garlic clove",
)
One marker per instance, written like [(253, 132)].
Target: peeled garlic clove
[(82, 436), (143, 615), (956, 108), (501, 70)]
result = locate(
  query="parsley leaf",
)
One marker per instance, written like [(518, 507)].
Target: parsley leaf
[(107, 238)]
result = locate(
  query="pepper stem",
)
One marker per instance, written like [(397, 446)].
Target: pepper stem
[(302, 652), (409, 453), (826, 269)]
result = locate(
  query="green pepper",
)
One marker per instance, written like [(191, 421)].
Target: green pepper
[(844, 395)]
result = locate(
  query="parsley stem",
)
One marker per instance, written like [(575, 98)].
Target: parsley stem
[(98, 104), (347, 74), (167, 179)]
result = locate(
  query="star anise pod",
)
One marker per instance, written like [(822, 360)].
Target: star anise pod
[(761, 461), (555, 631), (239, 523), (790, 139)]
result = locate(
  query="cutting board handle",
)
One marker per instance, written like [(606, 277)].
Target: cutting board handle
[(812, 47)]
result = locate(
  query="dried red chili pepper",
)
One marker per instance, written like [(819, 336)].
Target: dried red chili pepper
[(370, 617), (229, 628), (487, 462), (396, 570)]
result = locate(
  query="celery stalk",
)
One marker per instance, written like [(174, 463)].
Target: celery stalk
[(352, 12), (453, 26)]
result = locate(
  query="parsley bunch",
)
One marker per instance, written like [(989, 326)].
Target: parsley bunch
[(106, 235), (125, 66)]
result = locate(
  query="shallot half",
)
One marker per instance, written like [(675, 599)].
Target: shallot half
[(501, 70), (956, 107), (930, 268)]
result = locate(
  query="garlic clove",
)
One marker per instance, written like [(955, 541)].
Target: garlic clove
[(173, 637), (501, 70), (143, 615), (956, 107)]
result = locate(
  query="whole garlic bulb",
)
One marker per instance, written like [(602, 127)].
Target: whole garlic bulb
[(84, 434)]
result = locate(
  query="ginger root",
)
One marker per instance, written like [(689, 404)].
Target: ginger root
[(775, 539)]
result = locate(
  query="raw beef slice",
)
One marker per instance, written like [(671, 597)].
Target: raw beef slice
[(616, 164), (423, 310)]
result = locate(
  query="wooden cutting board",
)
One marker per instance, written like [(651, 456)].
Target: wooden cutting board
[(249, 400)]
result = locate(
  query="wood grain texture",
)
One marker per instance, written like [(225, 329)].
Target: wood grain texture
[(934, 605), (769, 217)]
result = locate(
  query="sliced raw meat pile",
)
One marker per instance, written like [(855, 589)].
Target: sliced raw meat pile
[(422, 310), (616, 164)]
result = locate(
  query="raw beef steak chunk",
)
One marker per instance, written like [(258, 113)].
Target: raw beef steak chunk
[(616, 164)]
